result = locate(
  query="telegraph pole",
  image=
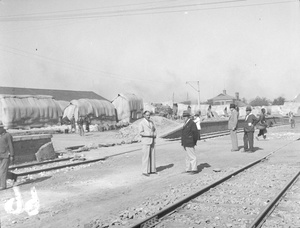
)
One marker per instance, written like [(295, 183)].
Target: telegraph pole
[(198, 90)]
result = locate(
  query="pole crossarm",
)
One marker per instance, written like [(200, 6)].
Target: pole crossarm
[(198, 90), (189, 82)]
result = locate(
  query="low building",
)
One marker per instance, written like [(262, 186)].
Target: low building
[(64, 95), (223, 99)]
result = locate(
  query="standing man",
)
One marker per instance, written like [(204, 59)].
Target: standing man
[(262, 124), (6, 156), (87, 123), (292, 119), (147, 131), (250, 122), (73, 124), (80, 126), (232, 126), (189, 139)]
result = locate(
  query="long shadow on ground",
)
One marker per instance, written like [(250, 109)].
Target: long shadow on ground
[(202, 166), (161, 168), (34, 181)]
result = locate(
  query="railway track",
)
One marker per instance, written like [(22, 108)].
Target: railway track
[(249, 193), (283, 210)]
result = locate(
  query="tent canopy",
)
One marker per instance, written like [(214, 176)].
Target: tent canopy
[(129, 107), (100, 109), (19, 111)]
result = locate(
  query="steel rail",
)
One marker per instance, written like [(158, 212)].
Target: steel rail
[(37, 163), (60, 167), (261, 218), (154, 219), (210, 135)]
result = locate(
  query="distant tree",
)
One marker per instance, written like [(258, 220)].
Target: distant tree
[(278, 101), (258, 101)]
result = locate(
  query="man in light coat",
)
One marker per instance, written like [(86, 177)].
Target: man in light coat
[(147, 131), (232, 126), (189, 139)]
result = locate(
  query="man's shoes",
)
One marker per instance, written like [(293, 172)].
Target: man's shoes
[(192, 172), (146, 174), (153, 173), (233, 150)]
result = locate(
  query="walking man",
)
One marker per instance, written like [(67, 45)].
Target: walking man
[(147, 131), (250, 122), (87, 123), (80, 126), (73, 124), (189, 139), (232, 126), (6, 156)]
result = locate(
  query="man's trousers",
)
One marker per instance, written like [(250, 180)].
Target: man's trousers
[(190, 159), (148, 159)]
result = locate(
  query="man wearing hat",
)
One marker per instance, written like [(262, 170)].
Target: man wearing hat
[(189, 139), (6, 156), (232, 126), (250, 122), (147, 131)]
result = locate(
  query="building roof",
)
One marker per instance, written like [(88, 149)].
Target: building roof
[(65, 95), (223, 96)]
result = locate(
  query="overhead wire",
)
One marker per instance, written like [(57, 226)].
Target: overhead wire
[(94, 8), (72, 65), (133, 12), (137, 11), (59, 24), (116, 6), (111, 14)]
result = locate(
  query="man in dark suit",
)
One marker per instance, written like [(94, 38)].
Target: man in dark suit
[(189, 139), (250, 122)]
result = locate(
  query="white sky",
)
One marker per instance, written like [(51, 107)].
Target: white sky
[(243, 46)]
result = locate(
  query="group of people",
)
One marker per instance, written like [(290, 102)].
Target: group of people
[(80, 122), (190, 136), (251, 123)]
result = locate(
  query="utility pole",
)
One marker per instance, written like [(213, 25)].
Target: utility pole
[(198, 90), (173, 98)]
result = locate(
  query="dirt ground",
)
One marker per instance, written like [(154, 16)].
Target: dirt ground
[(102, 191)]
